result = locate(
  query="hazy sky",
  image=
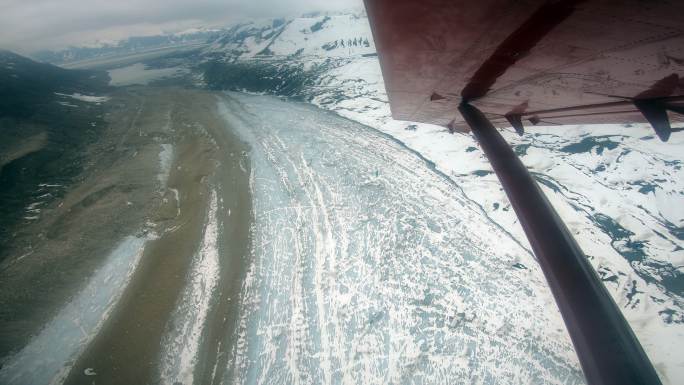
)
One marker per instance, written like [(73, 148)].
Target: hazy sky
[(29, 25)]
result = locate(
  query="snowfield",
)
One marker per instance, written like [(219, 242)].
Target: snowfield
[(369, 266), (85, 98)]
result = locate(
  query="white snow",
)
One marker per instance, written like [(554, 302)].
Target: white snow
[(333, 29), (195, 30), (85, 98), (65, 104), (165, 159)]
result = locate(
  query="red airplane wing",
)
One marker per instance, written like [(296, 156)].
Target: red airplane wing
[(532, 61)]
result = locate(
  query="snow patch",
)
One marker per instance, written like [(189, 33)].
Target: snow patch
[(86, 98)]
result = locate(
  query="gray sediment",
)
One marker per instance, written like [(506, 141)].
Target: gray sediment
[(165, 154), (137, 341)]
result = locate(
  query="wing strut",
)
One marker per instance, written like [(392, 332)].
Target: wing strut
[(608, 350)]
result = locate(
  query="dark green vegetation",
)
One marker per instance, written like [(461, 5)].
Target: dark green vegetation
[(41, 134), (171, 59), (625, 241), (238, 34), (280, 78), (27, 87)]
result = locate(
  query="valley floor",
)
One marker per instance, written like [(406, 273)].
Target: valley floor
[(152, 242)]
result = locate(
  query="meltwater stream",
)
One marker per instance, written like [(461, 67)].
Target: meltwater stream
[(368, 266)]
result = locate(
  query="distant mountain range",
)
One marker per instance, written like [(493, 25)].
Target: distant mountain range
[(243, 39)]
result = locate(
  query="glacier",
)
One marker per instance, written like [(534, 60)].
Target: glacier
[(369, 266)]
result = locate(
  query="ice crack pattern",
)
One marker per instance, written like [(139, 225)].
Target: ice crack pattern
[(369, 267)]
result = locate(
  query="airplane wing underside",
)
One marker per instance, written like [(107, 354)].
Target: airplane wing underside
[(532, 61)]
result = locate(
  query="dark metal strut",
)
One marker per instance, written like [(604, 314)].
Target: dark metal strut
[(608, 350)]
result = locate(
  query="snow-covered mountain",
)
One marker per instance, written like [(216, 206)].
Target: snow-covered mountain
[(618, 188), (335, 35)]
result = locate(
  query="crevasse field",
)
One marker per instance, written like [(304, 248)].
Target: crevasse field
[(369, 266)]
